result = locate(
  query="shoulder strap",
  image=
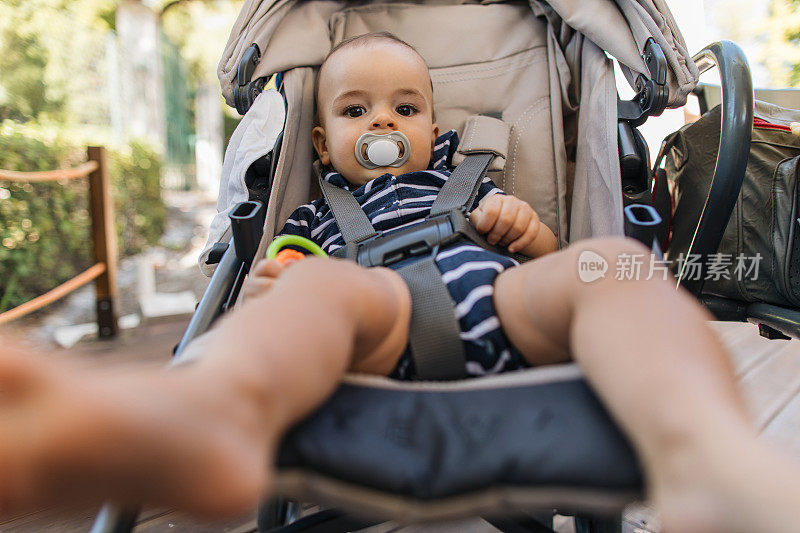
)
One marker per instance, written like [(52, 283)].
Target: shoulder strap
[(353, 222), (461, 187)]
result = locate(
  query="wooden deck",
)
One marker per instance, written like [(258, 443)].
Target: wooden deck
[(768, 371)]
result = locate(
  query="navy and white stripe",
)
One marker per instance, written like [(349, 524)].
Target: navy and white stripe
[(395, 202)]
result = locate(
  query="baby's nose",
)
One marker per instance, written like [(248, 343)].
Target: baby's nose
[(382, 121)]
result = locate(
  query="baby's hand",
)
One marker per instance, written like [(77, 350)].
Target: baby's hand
[(262, 277), (506, 220)]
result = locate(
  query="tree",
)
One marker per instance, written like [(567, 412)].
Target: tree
[(23, 62), (48, 57)]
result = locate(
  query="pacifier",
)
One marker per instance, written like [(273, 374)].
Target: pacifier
[(386, 150)]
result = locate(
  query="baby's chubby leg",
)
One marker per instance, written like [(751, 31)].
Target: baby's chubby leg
[(201, 436), (321, 318), (647, 351)]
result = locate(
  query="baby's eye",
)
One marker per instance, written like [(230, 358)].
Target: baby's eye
[(406, 110), (354, 111)]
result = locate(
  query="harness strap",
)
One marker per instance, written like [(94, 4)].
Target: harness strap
[(458, 193), (434, 333), (461, 187), (353, 222)]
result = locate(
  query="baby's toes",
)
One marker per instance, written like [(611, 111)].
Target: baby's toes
[(20, 371)]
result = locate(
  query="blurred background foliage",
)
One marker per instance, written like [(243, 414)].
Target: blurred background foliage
[(45, 233), (47, 59), (50, 50), (769, 32), (54, 65), (781, 55), (198, 27)]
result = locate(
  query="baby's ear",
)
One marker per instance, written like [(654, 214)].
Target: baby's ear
[(320, 145), (434, 135)]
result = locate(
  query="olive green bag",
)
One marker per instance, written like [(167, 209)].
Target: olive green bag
[(758, 258)]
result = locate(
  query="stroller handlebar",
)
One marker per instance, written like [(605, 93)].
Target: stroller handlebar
[(734, 148)]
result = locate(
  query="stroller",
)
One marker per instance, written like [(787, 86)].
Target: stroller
[(549, 78)]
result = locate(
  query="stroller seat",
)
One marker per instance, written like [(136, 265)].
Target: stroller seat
[(435, 450), (513, 61)]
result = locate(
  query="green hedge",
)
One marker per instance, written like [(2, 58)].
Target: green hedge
[(139, 209), (45, 234)]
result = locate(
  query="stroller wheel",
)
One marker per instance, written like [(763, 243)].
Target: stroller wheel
[(276, 512)]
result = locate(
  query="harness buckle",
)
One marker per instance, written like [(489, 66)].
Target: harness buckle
[(422, 239)]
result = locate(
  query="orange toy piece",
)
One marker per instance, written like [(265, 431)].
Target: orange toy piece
[(287, 256)]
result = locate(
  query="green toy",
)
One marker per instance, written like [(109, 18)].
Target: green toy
[(275, 248)]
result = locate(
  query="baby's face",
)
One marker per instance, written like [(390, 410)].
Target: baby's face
[(378, 88)]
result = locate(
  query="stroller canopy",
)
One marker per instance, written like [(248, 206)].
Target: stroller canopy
[(620, 27)]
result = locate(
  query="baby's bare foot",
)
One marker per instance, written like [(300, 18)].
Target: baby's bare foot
[(79, 436), (740, 486)]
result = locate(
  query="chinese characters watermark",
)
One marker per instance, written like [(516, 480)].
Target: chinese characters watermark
[(640, 266), (740, 267)]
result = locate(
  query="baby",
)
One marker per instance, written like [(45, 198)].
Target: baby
[(203, 436), (358, 95)]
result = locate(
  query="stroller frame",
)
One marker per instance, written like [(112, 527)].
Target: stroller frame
[(235, 258)]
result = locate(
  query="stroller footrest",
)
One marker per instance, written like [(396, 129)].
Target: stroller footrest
[(432, 442)]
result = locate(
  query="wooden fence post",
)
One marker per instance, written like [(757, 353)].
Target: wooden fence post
[(104, 239)]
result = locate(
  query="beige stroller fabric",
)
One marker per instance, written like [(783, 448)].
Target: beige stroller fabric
[(540, 68), (621, 28)]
